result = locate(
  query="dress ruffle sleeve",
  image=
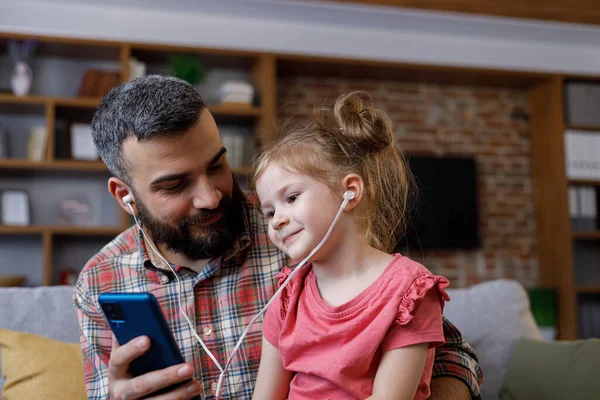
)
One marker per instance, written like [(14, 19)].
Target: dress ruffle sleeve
[(416, 292), (285, 293)]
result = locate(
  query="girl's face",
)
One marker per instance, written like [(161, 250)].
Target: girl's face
[(299, 210)]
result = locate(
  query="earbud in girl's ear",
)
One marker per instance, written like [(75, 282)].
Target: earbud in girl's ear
[(348, 194)]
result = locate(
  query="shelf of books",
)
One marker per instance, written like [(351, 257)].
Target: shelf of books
[(582, 168)]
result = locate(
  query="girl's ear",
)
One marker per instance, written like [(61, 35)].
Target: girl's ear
[(354, 183)]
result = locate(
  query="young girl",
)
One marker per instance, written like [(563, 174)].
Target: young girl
[(357, 322)]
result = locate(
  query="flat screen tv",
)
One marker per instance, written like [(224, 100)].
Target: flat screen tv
[(444, 214)]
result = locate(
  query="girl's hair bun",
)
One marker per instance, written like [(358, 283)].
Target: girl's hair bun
[(367, 129)]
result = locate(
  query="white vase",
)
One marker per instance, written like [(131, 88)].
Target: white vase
[(21, 78)]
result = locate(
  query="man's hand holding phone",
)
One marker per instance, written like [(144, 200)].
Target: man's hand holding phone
[(149, 362), (122, 385)]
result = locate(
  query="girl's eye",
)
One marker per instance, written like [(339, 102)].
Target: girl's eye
[(291, 198), (269, 214)]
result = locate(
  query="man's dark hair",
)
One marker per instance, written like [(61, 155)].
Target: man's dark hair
[(147, 107)]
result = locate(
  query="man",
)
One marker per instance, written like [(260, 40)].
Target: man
[(162, 146)]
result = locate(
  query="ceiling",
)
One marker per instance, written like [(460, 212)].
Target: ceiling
[(575, 11)]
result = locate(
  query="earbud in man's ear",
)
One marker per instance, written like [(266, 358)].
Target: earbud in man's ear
[(348, 194), (128, 199)]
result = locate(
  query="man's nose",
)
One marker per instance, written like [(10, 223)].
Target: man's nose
[(206, 196)]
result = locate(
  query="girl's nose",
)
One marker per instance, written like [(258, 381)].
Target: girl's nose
[(279, 221)]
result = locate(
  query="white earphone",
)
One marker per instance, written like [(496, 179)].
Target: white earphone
[(128, 199)]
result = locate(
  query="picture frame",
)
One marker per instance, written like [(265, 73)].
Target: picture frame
[(14, 207), (82, 143)]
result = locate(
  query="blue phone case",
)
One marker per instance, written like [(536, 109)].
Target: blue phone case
[(135, 314)]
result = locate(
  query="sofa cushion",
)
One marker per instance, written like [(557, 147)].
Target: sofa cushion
[(36, 367), (492, 316), (46, 310), (553, 371)]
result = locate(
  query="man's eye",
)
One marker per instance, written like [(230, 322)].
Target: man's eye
[(173, 187), (215, 168)]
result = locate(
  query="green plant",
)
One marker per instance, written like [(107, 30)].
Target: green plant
[(187, 67)]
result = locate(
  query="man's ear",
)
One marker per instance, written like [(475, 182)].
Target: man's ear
[(354, 183), (119, 189)]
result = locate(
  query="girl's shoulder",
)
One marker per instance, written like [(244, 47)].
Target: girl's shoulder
[(411, 281), (297, 278), (292, 289), (403, 268)]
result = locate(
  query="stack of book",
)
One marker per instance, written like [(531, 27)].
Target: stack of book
[(583, 208), (582, 154), (240, 146), (36, 143), (236, 92)]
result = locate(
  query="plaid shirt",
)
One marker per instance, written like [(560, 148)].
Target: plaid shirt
[(227, 294)]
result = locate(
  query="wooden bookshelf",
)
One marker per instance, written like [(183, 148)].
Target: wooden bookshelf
[(559, 245), (58, 110)]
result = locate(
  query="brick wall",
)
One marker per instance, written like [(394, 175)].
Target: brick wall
[(487, 123)]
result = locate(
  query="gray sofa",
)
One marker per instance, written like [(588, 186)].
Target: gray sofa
[(492, 316)]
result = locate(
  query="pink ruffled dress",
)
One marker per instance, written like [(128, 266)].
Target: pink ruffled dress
[(335, 351)]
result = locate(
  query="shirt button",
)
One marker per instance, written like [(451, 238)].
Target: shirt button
[(207, 330), (214, 386), (164, 279)]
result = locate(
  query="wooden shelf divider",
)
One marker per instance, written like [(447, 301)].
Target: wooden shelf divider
[(66, 165), (47, 241), (60, 230), (233, 109), (586, 235), (86, 102), (588, 289), (586, 128), (584, 182)]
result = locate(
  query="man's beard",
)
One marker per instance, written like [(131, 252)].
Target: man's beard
[(215, 239)]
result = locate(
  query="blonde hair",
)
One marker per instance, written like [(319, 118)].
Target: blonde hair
[(353, 137)]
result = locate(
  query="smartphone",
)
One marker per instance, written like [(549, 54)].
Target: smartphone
[(137, 314)]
